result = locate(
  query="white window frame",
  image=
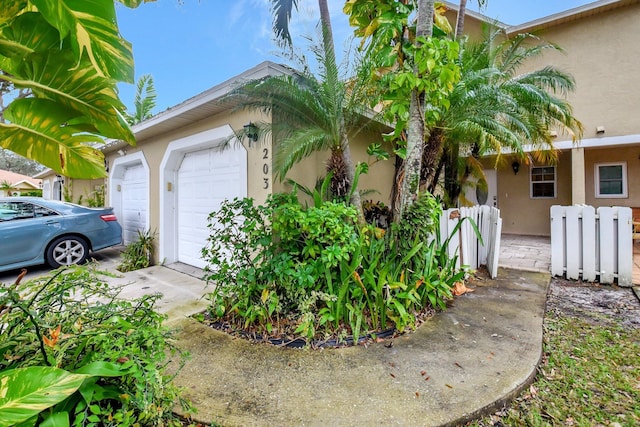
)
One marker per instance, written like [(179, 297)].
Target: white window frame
[(532, 182), (596, 181)]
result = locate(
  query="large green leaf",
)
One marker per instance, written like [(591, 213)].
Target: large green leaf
[(81, 89), (27, 33), (104, 369), (91, 25), (55, 74), (58, 419), (26, 392), (39, 130), (10, 8)]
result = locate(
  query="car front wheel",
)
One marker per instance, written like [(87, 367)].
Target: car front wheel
[(67, 250)]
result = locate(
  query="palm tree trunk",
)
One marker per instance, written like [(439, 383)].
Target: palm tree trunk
[(327, 38), (431, 154), (462, 9)]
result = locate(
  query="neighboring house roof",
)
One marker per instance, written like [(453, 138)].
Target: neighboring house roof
[(19, 180)]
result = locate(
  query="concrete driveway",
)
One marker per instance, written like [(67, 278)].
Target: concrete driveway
[(181, 291), (108, 258)]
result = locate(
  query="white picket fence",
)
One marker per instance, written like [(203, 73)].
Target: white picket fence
[(470, 250), (592, 244)]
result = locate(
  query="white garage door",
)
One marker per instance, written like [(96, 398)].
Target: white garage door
[(134, 202), (205, 179)]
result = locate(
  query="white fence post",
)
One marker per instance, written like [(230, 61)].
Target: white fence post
[(625, 246), (607, 235), (557, 240), (591, 244), (466, 244), (573, 246)]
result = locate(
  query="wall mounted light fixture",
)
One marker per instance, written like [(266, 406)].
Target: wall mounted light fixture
[(599, 129), (122, 152), (251, 131), (516, 167)]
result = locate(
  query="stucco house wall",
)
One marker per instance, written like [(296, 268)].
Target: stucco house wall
[(601, 51)]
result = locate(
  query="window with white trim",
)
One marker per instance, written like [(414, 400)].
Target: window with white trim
[(611, 180), (543, 182)]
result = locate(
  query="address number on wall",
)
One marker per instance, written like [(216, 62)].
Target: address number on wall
[(265, 168)]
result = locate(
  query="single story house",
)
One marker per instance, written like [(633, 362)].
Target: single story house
[(178, 173), (15, 184)]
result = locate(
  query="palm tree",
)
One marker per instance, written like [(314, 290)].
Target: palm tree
[(331, 105), (144, 101), (309, 114), (7, 188), (416, 129), (494, 108)]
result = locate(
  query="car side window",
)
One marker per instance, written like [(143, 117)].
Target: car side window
[(8, 211), (11, 211), (42, 211)]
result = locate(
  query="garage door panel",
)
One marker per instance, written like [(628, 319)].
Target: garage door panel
[(205, 179), (134, 202)]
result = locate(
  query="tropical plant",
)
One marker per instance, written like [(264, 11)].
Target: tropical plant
[(69, 57), (78, 355), (495, 108), (329, 114), (419, 71), (138, 254), (283, 269), (144, 101), (7, 188), (310, 114), (14, 163)]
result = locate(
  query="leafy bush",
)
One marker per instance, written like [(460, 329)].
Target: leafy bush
[(138, 254), (71, 323), (267, 260), (284, 269)]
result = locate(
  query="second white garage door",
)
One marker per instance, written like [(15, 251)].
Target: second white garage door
[(205, 179), (134, 202)]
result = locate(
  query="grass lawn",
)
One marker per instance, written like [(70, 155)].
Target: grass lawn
[(589, 376)]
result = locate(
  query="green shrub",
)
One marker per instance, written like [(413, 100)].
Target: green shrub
[(286, 269), (138, 254), (267, 260), (72, 321)]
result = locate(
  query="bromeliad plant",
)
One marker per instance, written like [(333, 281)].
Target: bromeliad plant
[(74, 354), (284, 269), (138, 254)]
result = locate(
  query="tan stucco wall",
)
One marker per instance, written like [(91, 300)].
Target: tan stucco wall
[(81, 189), (630, 155), (154, 150), (522, 214), (603, 55)]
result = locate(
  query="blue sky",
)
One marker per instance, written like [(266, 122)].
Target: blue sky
[(189, 46)]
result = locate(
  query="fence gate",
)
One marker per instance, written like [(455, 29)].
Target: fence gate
[(594, 245), (471, 251)]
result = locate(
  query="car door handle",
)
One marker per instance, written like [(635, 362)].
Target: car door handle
[(51, 222)]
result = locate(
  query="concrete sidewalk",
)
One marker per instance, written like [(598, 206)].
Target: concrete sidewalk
[(471, 358)]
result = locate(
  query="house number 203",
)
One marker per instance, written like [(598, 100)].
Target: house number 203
[(265, 168)]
